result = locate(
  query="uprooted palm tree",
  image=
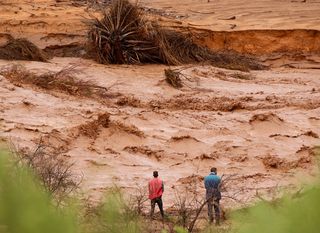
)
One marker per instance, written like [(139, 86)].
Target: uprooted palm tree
[(123, 36)]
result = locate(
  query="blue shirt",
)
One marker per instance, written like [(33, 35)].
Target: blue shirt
[(211, 183)]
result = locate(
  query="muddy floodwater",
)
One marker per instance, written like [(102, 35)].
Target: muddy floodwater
[(258, 127)]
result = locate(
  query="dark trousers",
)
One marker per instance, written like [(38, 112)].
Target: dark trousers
[(215, 204), (157, 200)]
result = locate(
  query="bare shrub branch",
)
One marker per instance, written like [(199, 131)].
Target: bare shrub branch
[(53, 171), (138, 200)]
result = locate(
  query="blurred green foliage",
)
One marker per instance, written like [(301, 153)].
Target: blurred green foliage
[(25, 207), (299, 213), (178, 229), (289, 215)]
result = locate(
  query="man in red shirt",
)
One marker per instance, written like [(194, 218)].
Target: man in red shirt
[(156, 189)]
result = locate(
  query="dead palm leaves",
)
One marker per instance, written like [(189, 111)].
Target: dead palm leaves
[(120, 36), (123, 36), (21, 49)]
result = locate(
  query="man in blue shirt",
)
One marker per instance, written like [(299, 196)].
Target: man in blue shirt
[(213, 194)]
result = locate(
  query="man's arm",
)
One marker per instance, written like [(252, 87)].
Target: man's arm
[(162, 187), (206, 183)]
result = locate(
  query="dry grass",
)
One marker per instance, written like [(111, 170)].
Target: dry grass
[(129, 101), (178, 48), (89, 3), (131, 129), (242, 76), (123, 36), (92, 128), (21, 49), (184, 137), (265, 117), (273, 162), (198, 103), (173, 78), (145, 150), (62, 81)]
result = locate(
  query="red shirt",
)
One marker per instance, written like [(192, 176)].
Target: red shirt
[(155, 188)]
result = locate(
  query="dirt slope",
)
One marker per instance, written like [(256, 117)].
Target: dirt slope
[(280, 30)]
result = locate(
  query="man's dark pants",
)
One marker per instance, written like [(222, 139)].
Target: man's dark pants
[(216, 205), (157, 200)]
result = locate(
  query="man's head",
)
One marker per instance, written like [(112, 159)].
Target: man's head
[(214, 169), (155, 174)]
